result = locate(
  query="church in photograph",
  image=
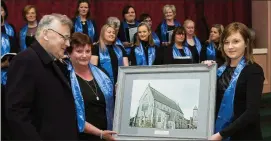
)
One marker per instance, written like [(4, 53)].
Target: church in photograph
[(155, 110)]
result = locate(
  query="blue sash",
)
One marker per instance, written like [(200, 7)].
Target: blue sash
[(78, 27), (155, 39), (197, 43), (105, 60), (9, 29), (106, 87), (141, 58), (5, 48), (225, 113), (78, 99), (164, 29), (176, 52), (23, 33), (119, 43), (211, 52)]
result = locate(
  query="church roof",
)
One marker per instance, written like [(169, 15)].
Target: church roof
[(165, 100)]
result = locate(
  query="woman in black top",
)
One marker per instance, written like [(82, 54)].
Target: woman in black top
[(166, 27), (145, 52), (82, 21), (239, 87), (27, 33), (129, 22), (211, 50), (8, 45), (177, 47), (95, 88), (192, 41), (107, 55)]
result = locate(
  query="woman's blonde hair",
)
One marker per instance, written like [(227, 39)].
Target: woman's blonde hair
[(101, 38), (237, 27), (185, 23), (150, 39), (172, 7)]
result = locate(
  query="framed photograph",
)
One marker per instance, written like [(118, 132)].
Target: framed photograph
[(169, 102)]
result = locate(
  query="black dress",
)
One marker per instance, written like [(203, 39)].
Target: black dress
[(113, 57), (145, 45), (30, 36), (94, 109), (246, 108), (194, 52), (220, 60)]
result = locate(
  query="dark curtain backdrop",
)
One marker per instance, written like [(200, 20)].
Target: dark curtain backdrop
[(203, 12)]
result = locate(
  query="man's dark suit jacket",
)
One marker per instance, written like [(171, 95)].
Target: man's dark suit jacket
[(39, 100)]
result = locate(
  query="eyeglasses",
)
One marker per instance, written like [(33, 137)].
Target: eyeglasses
[(62, 36)]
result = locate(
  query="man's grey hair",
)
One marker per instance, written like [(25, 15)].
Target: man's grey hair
[(113, 21), (47, 20)]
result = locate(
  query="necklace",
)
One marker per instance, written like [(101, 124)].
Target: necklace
[(97, 98)]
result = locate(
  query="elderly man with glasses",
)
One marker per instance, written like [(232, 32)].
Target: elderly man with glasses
[(39, 100)]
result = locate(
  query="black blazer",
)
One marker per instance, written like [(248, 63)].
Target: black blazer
[(246, 120), (39, 100)]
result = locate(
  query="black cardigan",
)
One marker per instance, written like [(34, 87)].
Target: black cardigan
[(246, 120)]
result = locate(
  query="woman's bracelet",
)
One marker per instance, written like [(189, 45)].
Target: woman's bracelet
[(101, 135)]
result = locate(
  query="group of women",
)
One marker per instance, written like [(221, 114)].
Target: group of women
[(94, 60)]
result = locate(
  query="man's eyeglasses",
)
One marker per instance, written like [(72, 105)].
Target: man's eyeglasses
[(62, 36)]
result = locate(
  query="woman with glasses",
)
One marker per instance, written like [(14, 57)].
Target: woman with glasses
[(177, 47)]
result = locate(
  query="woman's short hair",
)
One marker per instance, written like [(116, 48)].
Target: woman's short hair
[(143, 17), (77, 7), (237, 27), (150, 39), (126, 9), (79, 39), (178, 30), (4, 6), (172, 7), (26, 9)]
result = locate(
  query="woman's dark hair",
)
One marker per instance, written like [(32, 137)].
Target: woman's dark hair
[(77, 7), (177, 30), (143, 17), (3, 4), (79, 39), (126, 9)]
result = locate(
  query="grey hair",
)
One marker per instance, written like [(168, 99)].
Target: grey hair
[(47, 20), (113, 21)]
